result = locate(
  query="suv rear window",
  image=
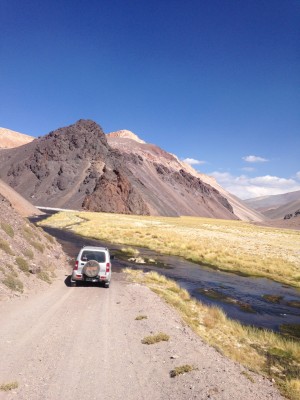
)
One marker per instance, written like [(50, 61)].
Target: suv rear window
[(93, 255)]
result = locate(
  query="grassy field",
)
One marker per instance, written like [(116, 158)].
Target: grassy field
[(234, 246), (261, 351)]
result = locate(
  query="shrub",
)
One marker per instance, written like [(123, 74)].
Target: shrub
[(28, 233), (5, 387), (13, 283), (4, 245), (139, 317), (49, 238), (43, 275), (28, 253), (159, 337), (22, 264), (38, 246), (8, 229), (183, 369)]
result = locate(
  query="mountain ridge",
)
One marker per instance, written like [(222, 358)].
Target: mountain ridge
[(76, 167)]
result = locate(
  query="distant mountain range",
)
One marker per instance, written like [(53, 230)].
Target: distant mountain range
[(80, 167), (276, 206)]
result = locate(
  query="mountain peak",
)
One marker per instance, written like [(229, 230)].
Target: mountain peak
[(126, 135), (10, 139)]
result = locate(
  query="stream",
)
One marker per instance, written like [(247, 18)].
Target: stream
[(259, 302)]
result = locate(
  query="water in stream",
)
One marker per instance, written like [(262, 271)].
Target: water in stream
[(242, 298)]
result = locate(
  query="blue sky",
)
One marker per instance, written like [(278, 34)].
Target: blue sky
[(213, 81)]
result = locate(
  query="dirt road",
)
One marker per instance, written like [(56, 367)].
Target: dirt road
[(84, 343)]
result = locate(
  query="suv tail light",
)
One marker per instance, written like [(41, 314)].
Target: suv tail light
[(76, 266), (107, 267)]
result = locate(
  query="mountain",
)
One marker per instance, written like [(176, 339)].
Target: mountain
[(276, 206), (161, 170), (80, 167), (10, 139)]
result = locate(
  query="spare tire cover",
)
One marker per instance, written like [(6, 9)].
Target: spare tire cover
[(91, 268)]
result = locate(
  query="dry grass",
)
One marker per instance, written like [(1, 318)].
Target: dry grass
[(234, 246), (8, 229), (12, 282), (22, 264), (259, 350), (44, 276), (182, 369), (4, 245), (6, 387), (140, 317), (159, 337)]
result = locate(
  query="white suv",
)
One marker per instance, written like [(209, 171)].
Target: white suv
[(92, 265)]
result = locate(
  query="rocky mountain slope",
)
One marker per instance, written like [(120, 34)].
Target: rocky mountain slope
[(158, 164), (10, 139), (19, 204), (29, 257), (276, 206), (75, 167)]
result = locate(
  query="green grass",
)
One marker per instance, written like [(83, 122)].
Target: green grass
[(6, 387), (159, 337), (261, 351), (234, 246), (8, 229)]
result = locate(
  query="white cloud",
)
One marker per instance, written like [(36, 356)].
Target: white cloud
[(245, 187), (298, 175), (255, 159), (192, 161), (248, 169)]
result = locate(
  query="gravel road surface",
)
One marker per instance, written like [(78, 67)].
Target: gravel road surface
[(84, 343)]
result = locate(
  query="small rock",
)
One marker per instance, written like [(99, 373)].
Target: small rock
[(174, 357)]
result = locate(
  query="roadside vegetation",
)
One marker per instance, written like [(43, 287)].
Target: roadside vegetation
[(260, 351), (6, 387), (182, 369), (235, 246), (159, 337)]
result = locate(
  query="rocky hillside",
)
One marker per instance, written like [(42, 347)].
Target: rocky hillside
[(75, 167), (19, 204), (165, 173), (30, 257), (10, 139)]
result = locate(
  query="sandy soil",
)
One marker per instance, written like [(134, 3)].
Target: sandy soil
[(84, 343)]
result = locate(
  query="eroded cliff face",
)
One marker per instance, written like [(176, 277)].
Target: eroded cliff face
[(76, 167), (114, 193)]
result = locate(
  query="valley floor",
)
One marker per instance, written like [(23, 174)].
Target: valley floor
[(85, 343)]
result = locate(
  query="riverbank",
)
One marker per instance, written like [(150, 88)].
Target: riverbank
[(261, 351), (233, 246)]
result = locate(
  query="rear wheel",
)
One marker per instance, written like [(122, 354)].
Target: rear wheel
[(106, 285)]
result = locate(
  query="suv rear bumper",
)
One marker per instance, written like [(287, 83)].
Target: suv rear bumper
[(83, 278)]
